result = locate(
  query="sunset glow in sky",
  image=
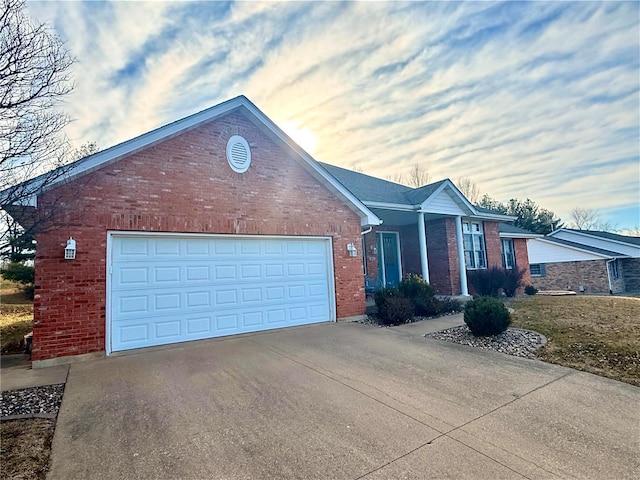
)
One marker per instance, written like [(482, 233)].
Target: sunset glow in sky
[(538, 100)]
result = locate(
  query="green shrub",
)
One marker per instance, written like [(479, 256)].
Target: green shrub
[(396, 310), (486, 316), (450, 305), (421, 294), (19, 273), (530, 290), (414, 286)]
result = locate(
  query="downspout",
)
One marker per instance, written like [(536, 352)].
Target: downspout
[(609, 275)]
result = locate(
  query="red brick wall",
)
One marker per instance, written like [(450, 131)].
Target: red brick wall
[(492, 243), (591, 274), (442, 254), (522, 258), (183, 184)]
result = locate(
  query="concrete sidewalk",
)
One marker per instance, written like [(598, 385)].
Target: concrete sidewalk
[(16, 373), (341, 401)]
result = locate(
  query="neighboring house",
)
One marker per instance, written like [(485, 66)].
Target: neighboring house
[(585, 261), (219, 224)]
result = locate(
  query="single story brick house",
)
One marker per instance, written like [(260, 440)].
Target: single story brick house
[(219, 224), (585, 261)]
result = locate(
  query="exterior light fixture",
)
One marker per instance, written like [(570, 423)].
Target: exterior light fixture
[(70, 249), (353, 251)]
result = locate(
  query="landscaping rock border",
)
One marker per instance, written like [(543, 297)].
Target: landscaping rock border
[(514, 341), (35, 402)]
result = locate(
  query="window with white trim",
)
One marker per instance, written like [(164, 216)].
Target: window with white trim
[(537, 270), (475, 255), (508, 258)]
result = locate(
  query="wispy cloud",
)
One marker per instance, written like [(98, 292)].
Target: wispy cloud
[(536, 100)]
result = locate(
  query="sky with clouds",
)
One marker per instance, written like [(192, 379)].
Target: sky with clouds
[(538, 100)]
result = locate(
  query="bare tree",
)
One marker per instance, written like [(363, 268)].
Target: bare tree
[(417, 177), (583, 218), (469, 189), (85, 150), (34, 77), (356, 168), (590, 219)]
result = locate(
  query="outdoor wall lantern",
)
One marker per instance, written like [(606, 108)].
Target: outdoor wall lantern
[(353, 251), (70, 249), (374, 249)]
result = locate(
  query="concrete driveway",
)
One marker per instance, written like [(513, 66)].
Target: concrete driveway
[(341, 401)]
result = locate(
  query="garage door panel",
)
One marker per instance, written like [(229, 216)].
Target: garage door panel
[(166, 290)]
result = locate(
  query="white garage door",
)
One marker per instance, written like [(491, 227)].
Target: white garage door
[(167, 289)]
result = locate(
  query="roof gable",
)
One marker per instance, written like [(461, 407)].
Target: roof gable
[(447, 199), (239, 104)]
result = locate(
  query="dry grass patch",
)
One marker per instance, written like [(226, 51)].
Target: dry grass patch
[(16, 317), (25, 448), (600, 335)]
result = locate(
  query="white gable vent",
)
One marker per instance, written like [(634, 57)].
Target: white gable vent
[(238, 154)]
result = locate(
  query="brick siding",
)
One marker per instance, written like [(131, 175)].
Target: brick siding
[(182, 184), (631, 274), (592, 274), (442, 254)]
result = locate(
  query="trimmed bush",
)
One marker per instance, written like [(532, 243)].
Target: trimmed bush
[(530, 290), (421, 294), (413, 286), (396, 310), (486, 316), (450, 305)]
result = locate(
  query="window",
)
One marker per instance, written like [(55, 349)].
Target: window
[(614, 271), (508, 259), (474, 250), (537, 270)]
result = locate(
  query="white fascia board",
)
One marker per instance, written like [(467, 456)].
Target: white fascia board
[(393, 206), (496, 217), (520, 235), (448, 183), (595, 237), (571, 247)]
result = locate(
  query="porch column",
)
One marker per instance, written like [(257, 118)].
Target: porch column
[(422, 240), (463, 269)]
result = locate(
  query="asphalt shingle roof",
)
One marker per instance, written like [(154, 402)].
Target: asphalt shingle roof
[(508, 228), (368, 188)]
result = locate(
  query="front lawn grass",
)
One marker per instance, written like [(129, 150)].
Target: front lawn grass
[(16, 317), (599, 335)]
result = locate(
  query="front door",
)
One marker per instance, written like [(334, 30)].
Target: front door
[(389, 260)]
